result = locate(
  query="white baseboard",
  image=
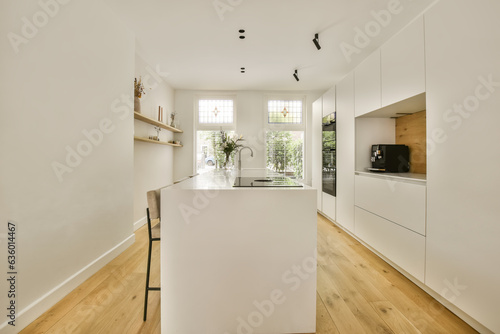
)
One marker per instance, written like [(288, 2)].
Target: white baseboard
[(454, 309), (140, 223), (38, 307)]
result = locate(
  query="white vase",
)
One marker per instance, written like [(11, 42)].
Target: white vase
[(137, 104)]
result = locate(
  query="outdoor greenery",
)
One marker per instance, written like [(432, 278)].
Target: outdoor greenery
[(221, 143), (285, 152)]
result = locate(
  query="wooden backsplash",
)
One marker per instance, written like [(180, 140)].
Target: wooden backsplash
[(411, 131)]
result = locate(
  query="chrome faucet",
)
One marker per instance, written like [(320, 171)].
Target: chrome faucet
[(239, 156)]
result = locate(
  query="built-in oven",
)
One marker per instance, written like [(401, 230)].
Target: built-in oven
[(329, 154)]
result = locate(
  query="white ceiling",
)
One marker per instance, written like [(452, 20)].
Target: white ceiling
[(196, 47)]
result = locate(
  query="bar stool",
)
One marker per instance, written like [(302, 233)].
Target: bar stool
[(153, 213)]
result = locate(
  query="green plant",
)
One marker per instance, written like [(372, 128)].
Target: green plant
[(229, 145), (285, 153)]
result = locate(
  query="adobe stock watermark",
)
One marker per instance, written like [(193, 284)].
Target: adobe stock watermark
[(223, 6), (459, 112), (450, 292), (93, 138), (373, 28), (121, 107), (201, 200), (456, 115), (264, 309), (30, 27)]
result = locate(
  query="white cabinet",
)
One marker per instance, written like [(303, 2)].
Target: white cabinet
[(329, 101), (345, 152), (403, 64), (463, 228), (390, 217), (317, 156), (398, 244), (329, 206), (368, 85), (401, 202)]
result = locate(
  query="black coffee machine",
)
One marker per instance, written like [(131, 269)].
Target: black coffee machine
[(390, 158)]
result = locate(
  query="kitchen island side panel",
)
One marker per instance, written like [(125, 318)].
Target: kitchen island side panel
[(238, 260)]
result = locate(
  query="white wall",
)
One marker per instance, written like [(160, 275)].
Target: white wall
[(153, 163), (371, 131), (463, 53), (250, 120), (68, 77)]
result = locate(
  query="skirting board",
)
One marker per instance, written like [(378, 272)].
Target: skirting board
[(454, 309), (140, 223), (38, 307)]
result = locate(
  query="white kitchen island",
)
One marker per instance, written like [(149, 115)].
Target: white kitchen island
[(237, 260)]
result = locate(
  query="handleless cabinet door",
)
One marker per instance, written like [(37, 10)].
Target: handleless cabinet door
[(329, 102), (403, 64), (400, 245), (400, 202), (317, 158), (367, 91)]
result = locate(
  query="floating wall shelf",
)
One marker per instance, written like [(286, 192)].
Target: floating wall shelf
[(156, 141), (151, 121)]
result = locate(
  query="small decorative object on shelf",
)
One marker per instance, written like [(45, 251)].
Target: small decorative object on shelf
[(158, 129), (138, 91), (172, 116), (160, 114), (154, 122)]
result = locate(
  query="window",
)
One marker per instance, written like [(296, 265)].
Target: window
[(215, 111), (213, 114), (284, 111), (285, 137), (285, 152)]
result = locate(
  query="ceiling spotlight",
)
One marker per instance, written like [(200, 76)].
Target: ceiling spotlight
[(296, 75), (316, 41)]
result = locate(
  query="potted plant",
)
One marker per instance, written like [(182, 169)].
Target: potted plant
[(229, 145)]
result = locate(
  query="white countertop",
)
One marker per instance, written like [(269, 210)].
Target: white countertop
[(404, 177), (224, 179)]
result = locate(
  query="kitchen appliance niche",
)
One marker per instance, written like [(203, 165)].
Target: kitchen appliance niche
[(329, 154)]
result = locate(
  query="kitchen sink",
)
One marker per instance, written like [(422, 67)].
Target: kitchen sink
[(265, 182)]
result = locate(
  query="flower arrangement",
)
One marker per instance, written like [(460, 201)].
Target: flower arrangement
[(229, 144), (139, 88)]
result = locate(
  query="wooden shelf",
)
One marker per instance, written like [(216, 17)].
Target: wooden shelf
[(146, 140), (151, 121)]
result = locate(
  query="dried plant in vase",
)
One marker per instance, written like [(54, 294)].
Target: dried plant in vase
[(138, 91), (172, 116)]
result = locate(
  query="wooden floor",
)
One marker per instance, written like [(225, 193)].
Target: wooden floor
[(357, 293)]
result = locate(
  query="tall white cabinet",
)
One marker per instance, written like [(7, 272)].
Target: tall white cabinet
[(442, 229), (345, 152), (463, 99), (317, 164), (329, 202)]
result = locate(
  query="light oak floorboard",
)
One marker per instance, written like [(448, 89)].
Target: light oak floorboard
[(357, 293)]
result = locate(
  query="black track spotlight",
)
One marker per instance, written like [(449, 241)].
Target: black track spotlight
[(296, 75), (316, 41)]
